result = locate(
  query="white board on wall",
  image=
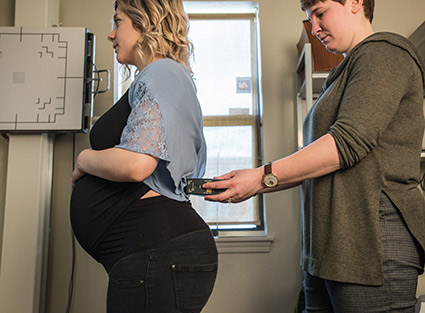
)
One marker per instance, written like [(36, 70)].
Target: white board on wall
[(42, 79)]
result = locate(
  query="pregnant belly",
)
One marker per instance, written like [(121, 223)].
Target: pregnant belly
[(95, 205)]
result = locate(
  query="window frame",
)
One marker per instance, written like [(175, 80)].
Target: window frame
[(230, 10)]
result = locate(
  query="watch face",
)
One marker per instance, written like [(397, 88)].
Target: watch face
[(270, 180)]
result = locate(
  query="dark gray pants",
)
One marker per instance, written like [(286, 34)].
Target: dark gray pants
[(177, 276), (403, 261)]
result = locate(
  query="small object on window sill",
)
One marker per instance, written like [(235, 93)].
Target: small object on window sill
[(244, 244), (237, 111)]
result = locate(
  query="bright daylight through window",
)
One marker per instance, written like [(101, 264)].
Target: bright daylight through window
[(227, 75)]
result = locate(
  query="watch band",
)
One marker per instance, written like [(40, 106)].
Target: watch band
[(268, 168)]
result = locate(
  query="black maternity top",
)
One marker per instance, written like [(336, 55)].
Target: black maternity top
[(95, 202)]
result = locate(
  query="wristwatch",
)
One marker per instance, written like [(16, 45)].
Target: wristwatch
[(270, 179)]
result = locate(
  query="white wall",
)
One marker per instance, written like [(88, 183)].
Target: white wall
[(247, 283)]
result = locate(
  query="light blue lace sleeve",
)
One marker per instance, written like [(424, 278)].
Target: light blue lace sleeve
[(144, 131)]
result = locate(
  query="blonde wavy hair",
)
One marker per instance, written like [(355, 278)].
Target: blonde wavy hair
[(164, 27)]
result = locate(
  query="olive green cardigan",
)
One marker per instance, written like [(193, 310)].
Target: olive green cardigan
[(372, 104)]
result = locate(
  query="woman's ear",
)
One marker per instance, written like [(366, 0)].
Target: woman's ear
[(356, 6)]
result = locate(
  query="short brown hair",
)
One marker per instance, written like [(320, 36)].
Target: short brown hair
[(368, 6)]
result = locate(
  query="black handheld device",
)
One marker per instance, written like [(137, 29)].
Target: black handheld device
[(194, 187)]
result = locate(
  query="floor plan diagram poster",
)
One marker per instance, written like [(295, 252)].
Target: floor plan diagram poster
[(42, 79)]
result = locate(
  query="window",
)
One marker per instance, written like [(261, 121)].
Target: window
[(227, 75)]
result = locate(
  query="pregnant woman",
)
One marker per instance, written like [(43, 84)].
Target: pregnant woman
[(129, 210)]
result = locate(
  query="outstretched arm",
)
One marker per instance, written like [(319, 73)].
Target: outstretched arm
[(317, 159), (114, 164)]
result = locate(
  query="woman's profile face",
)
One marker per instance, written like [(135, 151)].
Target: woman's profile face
[(124, 38), (331, 25)]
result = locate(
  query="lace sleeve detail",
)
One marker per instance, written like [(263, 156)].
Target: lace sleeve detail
[(144, 131)]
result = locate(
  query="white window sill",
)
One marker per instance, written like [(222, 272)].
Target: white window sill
[(244, 244)]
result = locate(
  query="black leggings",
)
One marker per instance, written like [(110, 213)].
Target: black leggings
[(160, 256), (177, 276), (147, 223)]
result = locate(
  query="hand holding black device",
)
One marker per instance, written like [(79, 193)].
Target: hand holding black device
[(194, 187)]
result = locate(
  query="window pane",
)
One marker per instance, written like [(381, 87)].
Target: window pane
[(223, 67), (222, 213), (223, 58), (228, 148)]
